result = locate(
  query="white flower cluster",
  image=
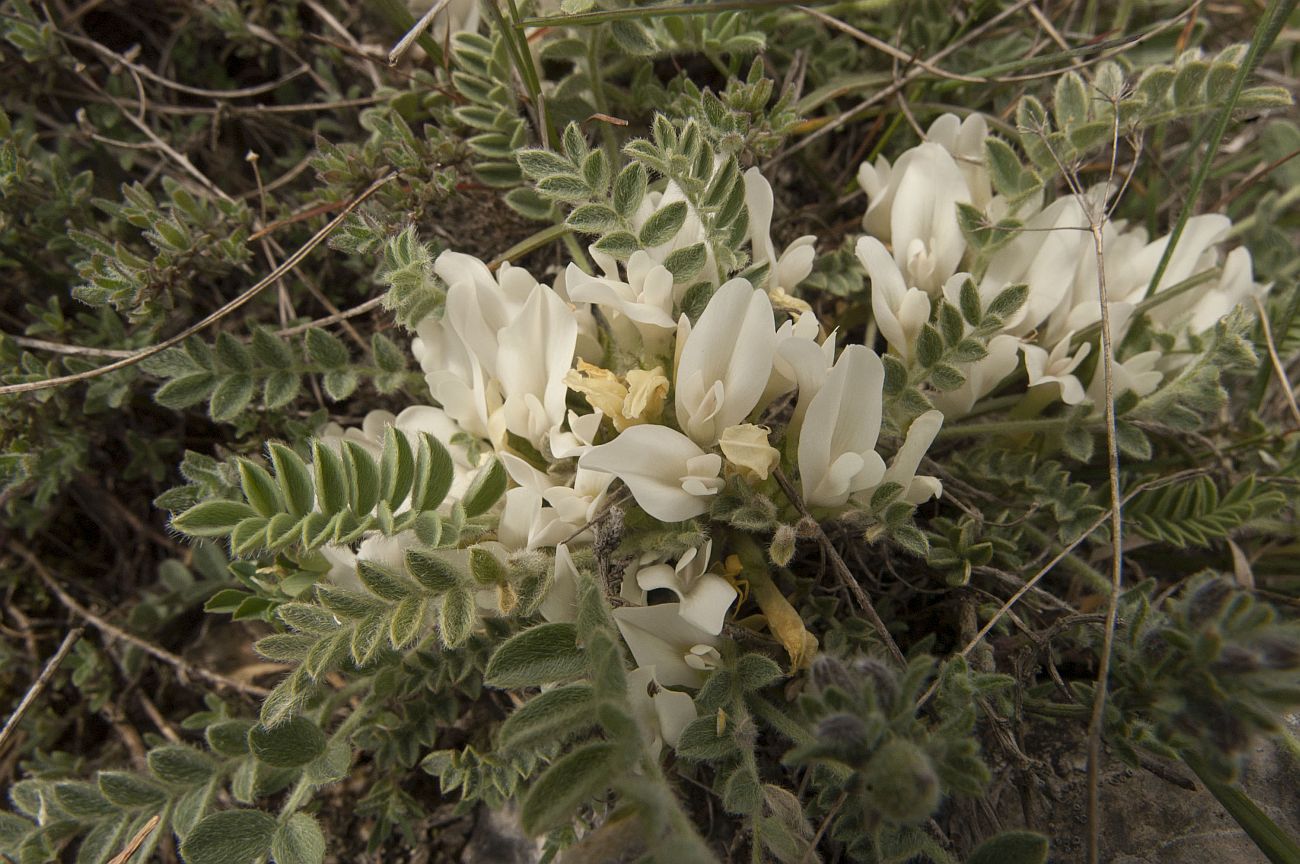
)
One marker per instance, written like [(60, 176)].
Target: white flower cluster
[(671, 410), (601, 377), (914, 210)]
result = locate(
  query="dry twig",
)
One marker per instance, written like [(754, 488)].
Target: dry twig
[(183, 665)]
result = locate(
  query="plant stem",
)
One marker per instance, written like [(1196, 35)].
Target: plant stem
[(1008, 427), (1270, 24)]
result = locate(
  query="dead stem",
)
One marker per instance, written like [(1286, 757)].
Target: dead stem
[(180, 663)]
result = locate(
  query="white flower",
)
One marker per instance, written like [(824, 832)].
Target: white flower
[(1138, 374), (799, 362), (1056, 368), (670, 477), (497, 357), (581, 435), (899, 311), (913, 206), (661, 713), (659, 636), (837, 455), (705, 597), (561, 601), (982, 376), (534, 355), (795, 263), (645, 299), (964, 139), (724, 362), (920, 435), (1235, 285), (569, 508), (1046, 256)]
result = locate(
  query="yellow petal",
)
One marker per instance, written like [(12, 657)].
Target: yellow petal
[(783, 620), (601, 387), (746, 447), (645, 396)]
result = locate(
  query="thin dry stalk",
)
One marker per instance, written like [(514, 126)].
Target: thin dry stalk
[(39, 685), (109, 629), (291, 262)]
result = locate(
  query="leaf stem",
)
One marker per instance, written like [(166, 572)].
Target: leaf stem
[(1270, 24)]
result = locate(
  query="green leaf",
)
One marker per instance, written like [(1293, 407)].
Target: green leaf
[(486, 568), (298, 841), (383, 582), (396, 467), (280, 389), (686, 262), (487, 487), (456, 617), (537, 656), (553, 716), (180, 765), (1009, 301), (232, 395), (294, 478), (754, 672), (326, 349), (271, 351), (259, 488), (290, 744), (230, 737), (130, 790), (331, 479), (570, 782), (407, 621), (564, 187), (595, 170), (186, 391), (339, 384), (632, 36), (630, 189), (619, 244), (663, 225), (1004, 167), (363, 477), (593, 218), (929, 346), (432, 571), (574, 144), (1012, 847), (433, 474), (537, 163), (84, 801), (700, 741), (230, 837), (212, 518), (1070, 100)]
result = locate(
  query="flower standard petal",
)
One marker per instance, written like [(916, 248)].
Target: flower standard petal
[(561, 603), (732, 345), (843, 420)]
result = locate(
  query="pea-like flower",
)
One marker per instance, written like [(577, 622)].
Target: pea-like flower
[(725, 361), (837, 454), (668, 474)]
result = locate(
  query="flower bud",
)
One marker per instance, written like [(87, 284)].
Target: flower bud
[(828, 672), (781, 551), (901, 782)]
